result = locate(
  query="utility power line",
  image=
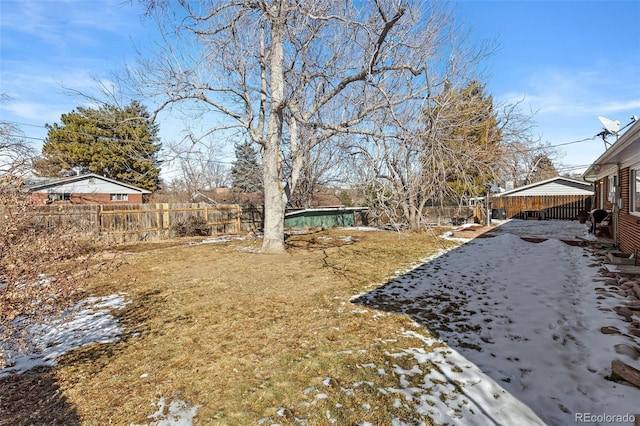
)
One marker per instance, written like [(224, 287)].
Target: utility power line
[(539, 148)]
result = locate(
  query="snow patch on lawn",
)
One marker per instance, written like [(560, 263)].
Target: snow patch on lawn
[(176, 413), (436, 382), (88, 321)]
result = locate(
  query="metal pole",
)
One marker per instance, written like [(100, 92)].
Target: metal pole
[(488, 206)]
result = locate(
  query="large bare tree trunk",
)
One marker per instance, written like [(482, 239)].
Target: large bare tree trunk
[(275, 199)]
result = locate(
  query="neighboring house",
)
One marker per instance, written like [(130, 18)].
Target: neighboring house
[(556, 198), (85, 189), (616, 175), (256, 199), (227, 196)]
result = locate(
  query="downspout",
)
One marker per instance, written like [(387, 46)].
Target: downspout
[(617, 206)]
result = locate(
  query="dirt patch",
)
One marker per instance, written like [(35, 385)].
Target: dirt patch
[(474, 231)]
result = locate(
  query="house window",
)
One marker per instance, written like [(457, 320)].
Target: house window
[(634, 196), (59, 196), (119, 197)]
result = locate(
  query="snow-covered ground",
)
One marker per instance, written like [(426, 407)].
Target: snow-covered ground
[(87, 322), (529, 316)]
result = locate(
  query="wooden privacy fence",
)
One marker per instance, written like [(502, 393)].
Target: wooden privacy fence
[(142, 221), (559, 207)]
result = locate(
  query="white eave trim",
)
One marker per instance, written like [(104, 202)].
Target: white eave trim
[(63, 181)]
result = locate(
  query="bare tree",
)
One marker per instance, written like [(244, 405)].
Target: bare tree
[(15, 153), (457, 147), (447, 156), (325, 165), (521, 149), (200, 166), (279, 69)]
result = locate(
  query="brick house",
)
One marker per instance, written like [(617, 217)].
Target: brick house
[(85, 189), (616, 176)]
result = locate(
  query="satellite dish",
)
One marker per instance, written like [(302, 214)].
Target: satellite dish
[(612, 127)]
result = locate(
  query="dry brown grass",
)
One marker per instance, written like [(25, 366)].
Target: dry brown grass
[(248, 336)]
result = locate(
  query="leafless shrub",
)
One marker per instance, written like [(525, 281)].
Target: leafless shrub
[(194, 226), (41, 265)]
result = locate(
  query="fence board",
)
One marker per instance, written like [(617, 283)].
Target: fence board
[(140, 221), (558, 207)]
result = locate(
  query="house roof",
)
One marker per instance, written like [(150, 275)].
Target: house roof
[(558, 185), (225, 196), (52, 183), (623, 153)]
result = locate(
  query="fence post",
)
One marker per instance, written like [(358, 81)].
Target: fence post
[(238, 219), (166, 218), (159, 219), (100, 220)]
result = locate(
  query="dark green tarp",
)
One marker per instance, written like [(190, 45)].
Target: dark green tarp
[(319, 219)]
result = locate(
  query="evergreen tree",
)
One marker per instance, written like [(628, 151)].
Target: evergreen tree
[(117, 142), (542, 169), (246, 170), (471, 135)]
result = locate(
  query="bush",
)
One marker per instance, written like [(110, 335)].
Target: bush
[(195, 226)]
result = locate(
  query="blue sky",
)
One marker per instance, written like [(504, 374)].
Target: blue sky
[(571, 61)]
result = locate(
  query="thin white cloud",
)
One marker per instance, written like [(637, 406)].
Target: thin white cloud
[(617, 106), (567, 102), (63, 26), (33, 111), (574, 93)]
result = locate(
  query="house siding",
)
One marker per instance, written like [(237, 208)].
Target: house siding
[(627, 230), (619, 160), (629, 225), (629, 233), (86, 189), (43, 198), (89, 186)]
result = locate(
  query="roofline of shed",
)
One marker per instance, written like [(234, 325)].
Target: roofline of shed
[(542, 182), (326, 209)]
